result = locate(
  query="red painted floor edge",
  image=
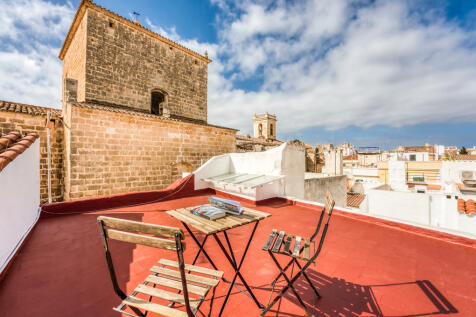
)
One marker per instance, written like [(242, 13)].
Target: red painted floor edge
[(180, 188), (429, 233), (425, 232)]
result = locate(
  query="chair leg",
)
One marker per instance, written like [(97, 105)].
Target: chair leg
[(284, 270), (211, 302), (308, 280), (289, 285)]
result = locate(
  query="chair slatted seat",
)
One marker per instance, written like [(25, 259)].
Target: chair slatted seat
[(298, 248), (168, 280)]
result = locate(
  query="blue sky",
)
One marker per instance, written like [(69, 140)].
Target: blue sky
[(378, 72)]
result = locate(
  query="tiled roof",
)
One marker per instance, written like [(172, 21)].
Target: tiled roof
[(464, 157), (259, 140), (353, 157), (12, 145), (27, 109), (423, 148), (467, 206), (143, 113), (354, 200)]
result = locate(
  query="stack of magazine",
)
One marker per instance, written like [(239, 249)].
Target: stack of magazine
[(217, 209)]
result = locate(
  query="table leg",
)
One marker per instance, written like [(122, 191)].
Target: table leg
[(237, 269), (200, 245)]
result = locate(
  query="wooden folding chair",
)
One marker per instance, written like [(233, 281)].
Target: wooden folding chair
[(300, 251), (190, 290)]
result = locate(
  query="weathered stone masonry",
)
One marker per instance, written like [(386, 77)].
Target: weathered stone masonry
[(27, 119), (119, 62), (107, 139), (115, 151)]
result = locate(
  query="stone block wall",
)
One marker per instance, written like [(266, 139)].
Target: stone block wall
[(115, 152), (26, 123), (74, 61), (124, 65)]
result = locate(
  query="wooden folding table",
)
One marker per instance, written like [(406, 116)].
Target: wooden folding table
[(213, 227)]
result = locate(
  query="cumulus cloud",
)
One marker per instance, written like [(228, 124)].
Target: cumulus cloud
[(325, 63), (340, 63), (30, 38)]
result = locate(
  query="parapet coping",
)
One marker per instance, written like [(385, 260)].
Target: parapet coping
[(90, 4)]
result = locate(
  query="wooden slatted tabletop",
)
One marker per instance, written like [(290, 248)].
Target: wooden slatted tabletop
[(213, 226)]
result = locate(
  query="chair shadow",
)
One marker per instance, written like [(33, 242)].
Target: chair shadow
[(342, 298)]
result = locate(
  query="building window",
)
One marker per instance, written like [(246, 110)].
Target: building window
[(412, 157), (271, 132), (260, 129), (419, 179), (157, 103)]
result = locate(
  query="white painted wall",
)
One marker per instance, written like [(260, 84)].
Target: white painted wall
[(287, 160), (397, 175), (412, 207), (19, 200), (451, 170), (419, 156), (429, 210), (361, 172)]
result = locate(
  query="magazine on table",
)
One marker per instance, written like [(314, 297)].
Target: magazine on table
[(209, 212), (217, 209), (230, 206)]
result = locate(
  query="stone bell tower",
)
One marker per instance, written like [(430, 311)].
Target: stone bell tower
[(264, 126)]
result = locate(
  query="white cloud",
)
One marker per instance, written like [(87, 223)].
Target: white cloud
[(30, 38), (322, 63), (341, 63)]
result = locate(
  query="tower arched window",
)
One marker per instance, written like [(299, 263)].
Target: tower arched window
[(157, 101), (271, 132), (260, 129)]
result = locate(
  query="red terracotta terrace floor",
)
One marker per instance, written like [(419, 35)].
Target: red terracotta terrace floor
[(367, 268)]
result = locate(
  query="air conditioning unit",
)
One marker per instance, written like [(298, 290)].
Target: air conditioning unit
[(468, 175)]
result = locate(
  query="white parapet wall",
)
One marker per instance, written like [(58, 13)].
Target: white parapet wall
[(286, 161), (451, 170), (430, 210), (20, 201)]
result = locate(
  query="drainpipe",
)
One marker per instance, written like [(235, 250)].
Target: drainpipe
[(48, 146)]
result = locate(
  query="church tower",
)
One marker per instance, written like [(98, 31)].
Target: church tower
[(264, 126), (118, 63)]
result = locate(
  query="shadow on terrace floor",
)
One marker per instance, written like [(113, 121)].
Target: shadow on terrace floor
[(342, 298)]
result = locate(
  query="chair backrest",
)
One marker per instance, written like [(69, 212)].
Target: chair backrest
[(141, 233), (328, 208), (147, 234)]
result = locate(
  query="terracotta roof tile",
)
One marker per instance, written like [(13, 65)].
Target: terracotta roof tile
[(259, 140), (464, 157), (137, 112), (468, 207), (353, 157), (423, 148), (27, 109), (354, 200), (12, 145)]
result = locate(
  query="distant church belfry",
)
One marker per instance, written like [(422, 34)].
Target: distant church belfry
[(264, 126)]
